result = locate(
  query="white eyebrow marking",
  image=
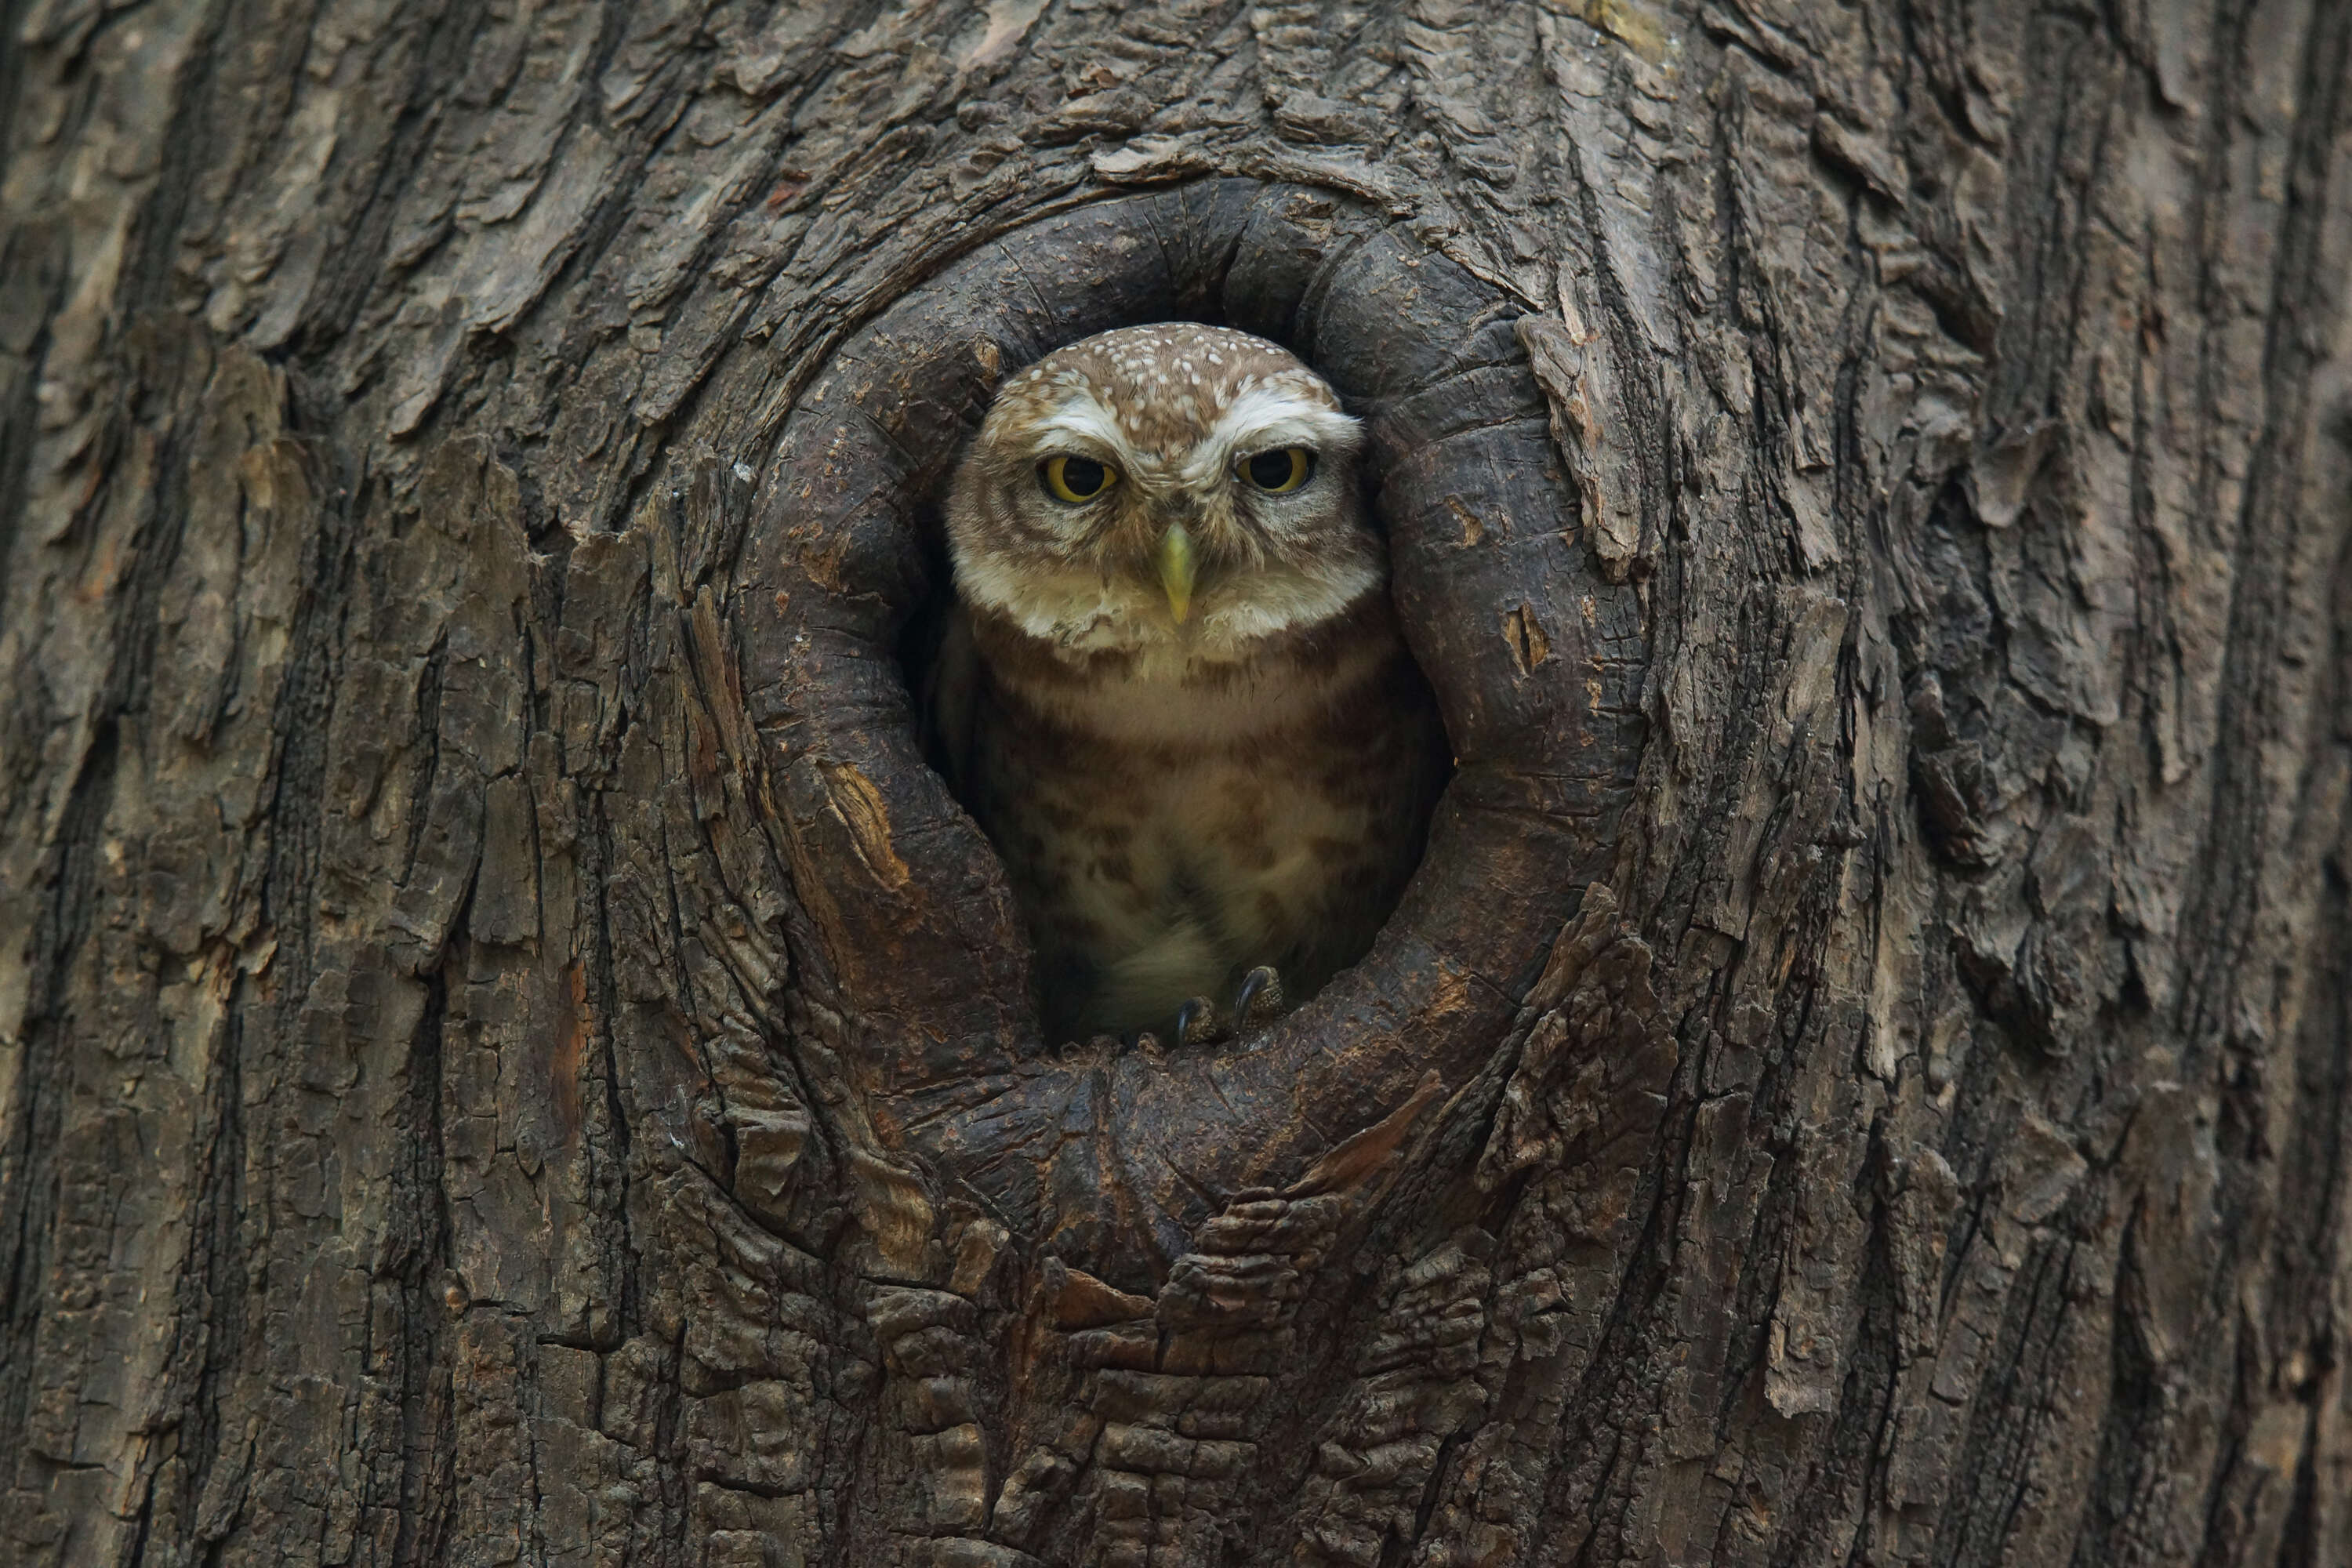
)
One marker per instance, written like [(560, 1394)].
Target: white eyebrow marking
[(1268, 417), (1085, 416)]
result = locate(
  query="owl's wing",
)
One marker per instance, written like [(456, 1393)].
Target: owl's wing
[(950, 696)]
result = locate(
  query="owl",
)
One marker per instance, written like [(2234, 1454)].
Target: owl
[(1172, 690)]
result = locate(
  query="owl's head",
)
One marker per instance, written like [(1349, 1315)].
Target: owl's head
[(1170, 486)]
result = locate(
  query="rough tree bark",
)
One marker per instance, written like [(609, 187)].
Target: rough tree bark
[(434, 1126)]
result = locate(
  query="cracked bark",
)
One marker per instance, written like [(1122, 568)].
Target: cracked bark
[(426, 1135)]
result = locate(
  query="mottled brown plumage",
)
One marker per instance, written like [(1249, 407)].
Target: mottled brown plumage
[(1173, 692)]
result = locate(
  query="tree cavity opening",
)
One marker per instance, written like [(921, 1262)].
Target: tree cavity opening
[(914, 961)]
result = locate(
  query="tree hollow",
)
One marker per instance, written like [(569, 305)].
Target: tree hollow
[(919, 955)]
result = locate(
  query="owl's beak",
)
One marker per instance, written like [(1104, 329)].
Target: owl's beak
[(1174, 560)]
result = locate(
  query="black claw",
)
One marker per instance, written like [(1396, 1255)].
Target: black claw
[(1260, 997), (1192, 1021)]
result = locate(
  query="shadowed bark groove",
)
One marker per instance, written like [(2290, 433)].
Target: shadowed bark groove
[(506, 1055)]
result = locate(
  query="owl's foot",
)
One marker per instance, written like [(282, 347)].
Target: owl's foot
[(1197, 1022), (1259, 1000)]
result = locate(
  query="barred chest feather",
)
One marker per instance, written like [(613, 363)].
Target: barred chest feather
[(1169, 821)]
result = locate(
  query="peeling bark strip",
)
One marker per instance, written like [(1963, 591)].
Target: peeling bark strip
[(835, 564), (462, 1100)]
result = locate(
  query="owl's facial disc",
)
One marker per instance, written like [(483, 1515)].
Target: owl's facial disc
[(1179, 485), (1074, 479)]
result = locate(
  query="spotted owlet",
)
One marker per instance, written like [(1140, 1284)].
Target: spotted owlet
[(1172, 692)]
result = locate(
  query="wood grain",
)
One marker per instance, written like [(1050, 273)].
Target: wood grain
[(505, 1055)]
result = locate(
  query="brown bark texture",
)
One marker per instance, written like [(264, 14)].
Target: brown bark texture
[(508, 1056)]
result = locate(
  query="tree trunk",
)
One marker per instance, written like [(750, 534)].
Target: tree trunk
[(461, 1097)]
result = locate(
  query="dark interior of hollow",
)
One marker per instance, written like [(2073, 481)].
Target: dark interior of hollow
[(919, 638)]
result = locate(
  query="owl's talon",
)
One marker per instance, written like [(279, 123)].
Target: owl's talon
[(1259, 1000), (1196, 1022)]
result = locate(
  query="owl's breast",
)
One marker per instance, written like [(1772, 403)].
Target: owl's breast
[(1175, 693), (1170, 822)]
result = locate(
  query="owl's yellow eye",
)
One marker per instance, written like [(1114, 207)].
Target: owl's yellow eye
[(1076, 479), (1284, 469)]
